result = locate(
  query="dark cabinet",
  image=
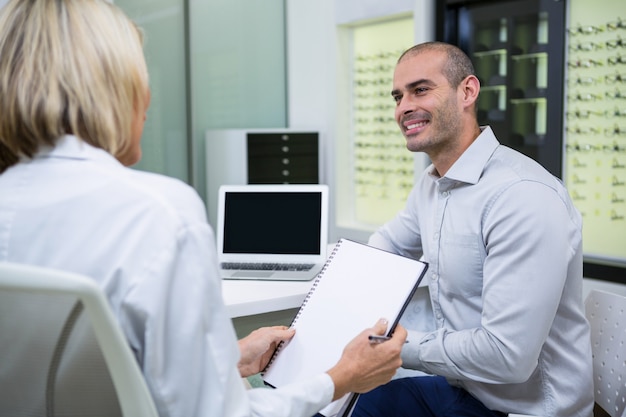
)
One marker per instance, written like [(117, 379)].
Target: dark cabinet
[(517, 47), (283, 158)]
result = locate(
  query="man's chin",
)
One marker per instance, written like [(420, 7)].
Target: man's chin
[(413, 144)]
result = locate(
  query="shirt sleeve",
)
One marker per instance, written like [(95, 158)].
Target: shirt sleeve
[(301, 399), (530, 238), (187, 345)]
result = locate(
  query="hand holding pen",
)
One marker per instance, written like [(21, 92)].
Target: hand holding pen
[(365, 365)]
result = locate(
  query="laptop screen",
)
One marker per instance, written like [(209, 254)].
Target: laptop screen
[(272, 222)]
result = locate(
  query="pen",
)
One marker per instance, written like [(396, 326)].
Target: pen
[(380, 339)]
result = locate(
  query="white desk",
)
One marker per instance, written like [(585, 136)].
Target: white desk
[(264, 302), (249, 297), (252, 304)]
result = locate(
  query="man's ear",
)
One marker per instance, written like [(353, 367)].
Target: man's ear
[(470, 87)]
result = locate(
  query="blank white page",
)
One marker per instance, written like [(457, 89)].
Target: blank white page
[(358, 285)]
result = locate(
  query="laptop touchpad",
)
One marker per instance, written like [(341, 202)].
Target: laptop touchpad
[(253, 274)]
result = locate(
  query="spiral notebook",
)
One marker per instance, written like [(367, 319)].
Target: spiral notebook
[(357, 286)]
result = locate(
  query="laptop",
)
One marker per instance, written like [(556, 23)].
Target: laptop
[(272, 232)]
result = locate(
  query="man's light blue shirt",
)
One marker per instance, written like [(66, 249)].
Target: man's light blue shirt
[(504, 246)]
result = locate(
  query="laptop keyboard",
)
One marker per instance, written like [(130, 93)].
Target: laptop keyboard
[(266, 266)]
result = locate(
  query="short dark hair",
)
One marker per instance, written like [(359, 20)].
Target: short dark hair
[(458, 65)]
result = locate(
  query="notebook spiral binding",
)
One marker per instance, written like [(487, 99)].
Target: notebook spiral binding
[(316, 282), (306, 299)]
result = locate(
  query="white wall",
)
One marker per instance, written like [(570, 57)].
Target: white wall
[(314, 50)]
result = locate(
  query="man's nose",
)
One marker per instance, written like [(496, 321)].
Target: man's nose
[(405, 106)]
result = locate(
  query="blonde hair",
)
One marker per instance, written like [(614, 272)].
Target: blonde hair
[(68, 67)]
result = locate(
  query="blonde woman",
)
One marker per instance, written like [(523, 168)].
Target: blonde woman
[(73, 98)]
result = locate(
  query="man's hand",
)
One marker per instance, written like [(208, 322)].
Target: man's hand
[(363, 365), (258, 347)]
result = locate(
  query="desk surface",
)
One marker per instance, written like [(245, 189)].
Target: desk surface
[(249, 297)]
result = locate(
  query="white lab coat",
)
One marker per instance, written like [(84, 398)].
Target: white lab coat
[(145, 239)]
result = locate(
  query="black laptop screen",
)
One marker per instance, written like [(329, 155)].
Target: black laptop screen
[(272, 222)]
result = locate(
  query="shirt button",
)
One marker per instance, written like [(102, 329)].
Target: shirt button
[(434, 277), (444, 193), (436, 236)]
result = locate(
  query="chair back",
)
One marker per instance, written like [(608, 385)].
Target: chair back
[(606, 313), (63, 352)]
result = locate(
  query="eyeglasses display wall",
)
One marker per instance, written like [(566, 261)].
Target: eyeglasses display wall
[(595, 124), (517, 50), (382, 167)]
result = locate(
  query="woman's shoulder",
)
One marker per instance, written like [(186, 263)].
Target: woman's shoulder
[(169, 193)]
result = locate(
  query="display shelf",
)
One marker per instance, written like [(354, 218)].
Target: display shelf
[(501, 53), (595, 133), (534, 55), (381, 168), (517, 47)]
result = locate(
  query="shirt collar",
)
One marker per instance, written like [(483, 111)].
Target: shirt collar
[(72, 147), (471, 164)]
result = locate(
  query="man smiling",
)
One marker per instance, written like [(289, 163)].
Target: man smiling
[(504, 247)]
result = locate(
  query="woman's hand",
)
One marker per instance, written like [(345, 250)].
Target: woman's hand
[(258, 347)]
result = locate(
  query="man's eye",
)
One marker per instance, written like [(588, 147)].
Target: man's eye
[(397, 98)]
